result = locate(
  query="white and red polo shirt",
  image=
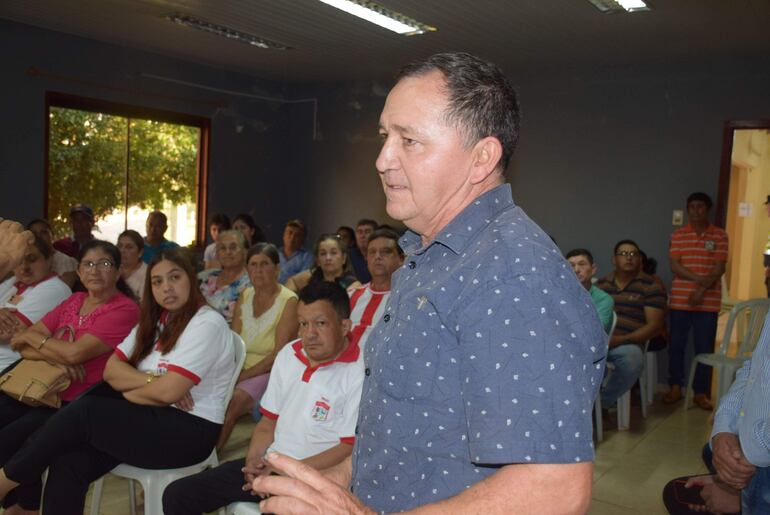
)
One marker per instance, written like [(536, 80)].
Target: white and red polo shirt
[(315, 408), (203, 353), (367, 306), (29, 302)]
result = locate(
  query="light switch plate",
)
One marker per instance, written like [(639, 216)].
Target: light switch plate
[(677, 218)]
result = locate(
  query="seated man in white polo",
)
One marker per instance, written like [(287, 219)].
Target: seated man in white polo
[(367, 303), (310, 407)]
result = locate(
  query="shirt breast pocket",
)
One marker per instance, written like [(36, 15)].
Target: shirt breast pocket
[(407, 364)]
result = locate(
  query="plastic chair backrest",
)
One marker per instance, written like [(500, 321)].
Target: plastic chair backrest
[(612, 327), (746, 319), (240, 358)]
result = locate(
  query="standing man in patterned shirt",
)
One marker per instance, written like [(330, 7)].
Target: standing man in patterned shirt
[(481, 375), (698, 254)]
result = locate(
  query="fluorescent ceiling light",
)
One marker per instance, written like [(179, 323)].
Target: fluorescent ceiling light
[(226, 32), (614, 6), (375, 13)]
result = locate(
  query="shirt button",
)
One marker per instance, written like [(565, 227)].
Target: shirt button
[(412, 265), (386, 318), (367, 371)]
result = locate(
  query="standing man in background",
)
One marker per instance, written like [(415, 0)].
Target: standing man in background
[(82, 223), (698, 254), (156, 241)]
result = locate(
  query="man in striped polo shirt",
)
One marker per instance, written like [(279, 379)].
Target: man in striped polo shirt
[(640, 304), (698, 254), (367, 303)]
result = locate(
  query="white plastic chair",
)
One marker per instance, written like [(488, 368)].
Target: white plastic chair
[(728, 302), (624, 402), (154, 482), (746, 319), (598, 401), (243, 508)]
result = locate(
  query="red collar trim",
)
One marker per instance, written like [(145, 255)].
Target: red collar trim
[(20, 286), (349, 355)]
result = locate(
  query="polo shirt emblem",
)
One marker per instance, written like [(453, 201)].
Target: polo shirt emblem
[(710, 245), (321, 410)]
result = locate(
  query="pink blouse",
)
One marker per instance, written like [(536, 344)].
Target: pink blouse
[(111, 322)]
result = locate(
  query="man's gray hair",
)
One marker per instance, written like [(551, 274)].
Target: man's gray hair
[(482, 102)]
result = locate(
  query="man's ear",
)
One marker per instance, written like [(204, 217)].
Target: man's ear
[(487, 153), (347, 325), (594, 269)]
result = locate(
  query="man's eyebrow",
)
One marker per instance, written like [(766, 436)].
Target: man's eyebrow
[(408, 129)]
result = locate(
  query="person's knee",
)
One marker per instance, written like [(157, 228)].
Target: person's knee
[(175, 496)]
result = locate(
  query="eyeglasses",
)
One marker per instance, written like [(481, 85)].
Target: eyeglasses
[(628, 253), (234, 247), (104, 264)]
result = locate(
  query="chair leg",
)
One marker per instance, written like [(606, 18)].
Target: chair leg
[(651, 369), (598, 419), (624, 411), (96, 496), (690, 380), (153, 496), (643, 390), (132, 496)]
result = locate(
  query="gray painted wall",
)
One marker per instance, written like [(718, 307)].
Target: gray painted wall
[(603, 156)]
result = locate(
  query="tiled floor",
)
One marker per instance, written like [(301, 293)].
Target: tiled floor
[(632, 467), (630, 471)]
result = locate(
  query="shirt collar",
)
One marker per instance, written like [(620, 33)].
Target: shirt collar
[(20, 286), (457, 233), (349, 355)]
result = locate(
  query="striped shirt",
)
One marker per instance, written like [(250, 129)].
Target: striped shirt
[(745, 412), (366, 308), (699, 253), (642, 292)]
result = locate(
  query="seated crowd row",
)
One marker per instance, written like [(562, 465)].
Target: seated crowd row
[(167, 362)]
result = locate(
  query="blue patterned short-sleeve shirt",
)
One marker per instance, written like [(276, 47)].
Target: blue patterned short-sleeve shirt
[(490, 352)]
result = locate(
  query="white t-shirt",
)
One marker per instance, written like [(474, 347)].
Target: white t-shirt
[(210, 252), (366, 309), (314, 408), (62, 263), (30, 304), (203, 353), (135, 281)]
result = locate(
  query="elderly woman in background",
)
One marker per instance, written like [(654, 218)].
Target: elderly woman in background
[(251, 231), (64, 265), (132, 268), (219, 223), (78, 335), (266, 318), (331, 264), (30, 293), (221, 287)]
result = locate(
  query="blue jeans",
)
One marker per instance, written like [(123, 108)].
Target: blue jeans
[(704, 327), (628, 361), (755, 498)]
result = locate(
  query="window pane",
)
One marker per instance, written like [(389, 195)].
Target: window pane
[(88, 156), (87, 164), (163, 164)]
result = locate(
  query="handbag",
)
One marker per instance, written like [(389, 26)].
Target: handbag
[(37, 383)]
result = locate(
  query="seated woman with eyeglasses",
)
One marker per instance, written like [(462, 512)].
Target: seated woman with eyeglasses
[(170, 378), (331, 264), (222, 286), (78, 335)]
